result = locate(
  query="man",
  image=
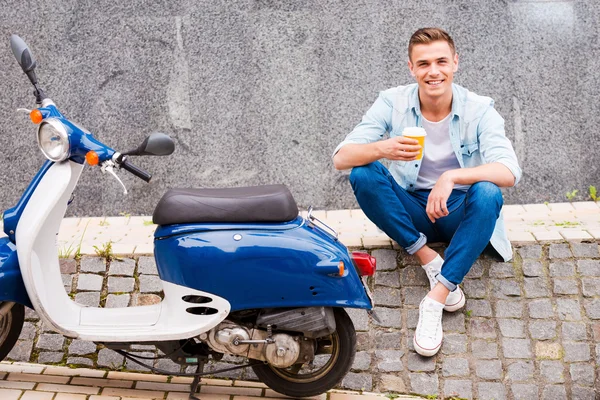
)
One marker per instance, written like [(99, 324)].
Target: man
[(452, 193)]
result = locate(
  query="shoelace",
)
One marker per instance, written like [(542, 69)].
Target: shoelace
[(431, 275), (429, 322)]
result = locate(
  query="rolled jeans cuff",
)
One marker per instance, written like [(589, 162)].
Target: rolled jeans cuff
[(413, 248), (449, 285)]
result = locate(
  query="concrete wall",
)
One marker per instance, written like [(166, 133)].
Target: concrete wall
[(260, 92)]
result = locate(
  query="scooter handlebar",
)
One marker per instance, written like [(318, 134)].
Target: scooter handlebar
[(126, 165)]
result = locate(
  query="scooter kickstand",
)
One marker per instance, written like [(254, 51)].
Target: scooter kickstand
[(196, 380)]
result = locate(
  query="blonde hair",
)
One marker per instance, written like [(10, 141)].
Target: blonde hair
[(430, 35)]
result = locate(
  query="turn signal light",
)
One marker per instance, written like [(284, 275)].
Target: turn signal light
[(341, 268), (36, 116), (92, 157), (365, 263)]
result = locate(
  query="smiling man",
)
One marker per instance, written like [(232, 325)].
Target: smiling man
[(452, 194)]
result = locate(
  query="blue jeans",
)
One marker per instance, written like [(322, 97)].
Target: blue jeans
[(401, 215)]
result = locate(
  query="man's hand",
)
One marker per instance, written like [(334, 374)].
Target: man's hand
[(399, 148), (436, 203)]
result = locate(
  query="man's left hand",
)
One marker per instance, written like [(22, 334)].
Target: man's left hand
[(436, 204)]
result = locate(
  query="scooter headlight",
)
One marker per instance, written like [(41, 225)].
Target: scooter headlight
[(53, 140)]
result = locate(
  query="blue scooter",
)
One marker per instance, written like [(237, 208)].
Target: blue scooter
[(242, 273)]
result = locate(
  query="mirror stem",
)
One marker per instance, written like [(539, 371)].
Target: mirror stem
[(39, 94)]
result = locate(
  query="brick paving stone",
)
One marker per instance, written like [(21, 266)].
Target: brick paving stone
[(413, 295), (592, 308), (67, 281), (491, 391), (568, 309), (130, 365), (482, 328), (531, 251), (455, 367), (596, 331), (542, 329), (31, 315), (532, 268), (583, 393), (582, 374), (117, 300), (505, 288), (150, 284), (167, 365), (509, 309), (147, 265), (588, 267), (388, 340), (598, 354), (536, 287), (10, 394), (50, 357), (362, 360), (391, 279), (90, 299), (424, 384), (389, 360), (68, 266), (454, 322), (520, 371), (386, 259), (28, 331), (514, 328), (516, 348), (417, 363), (502, 270), (476, 270), (574, 331), (363, 341), (474, 288), (462, 389), (92, 264), (412, 318), (454, 343), (523, 391), (392, 383), (560, 251), (590, 287), (358, 381), (562, 268), (565, 286), (49, 341), (120, 285), (483, 350), (541, 309), (360, 318), (488, 369), (80, 361), (413, 275), (479, 308), (552, 371), (548, 350), (81, 347), (125, 267), (554, 392), (389, 317), (89, 282), (35, 395), (21, 351), (585, 249), (576, 352), (385, 296)]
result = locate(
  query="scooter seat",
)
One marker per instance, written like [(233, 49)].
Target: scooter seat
[(268, 203)]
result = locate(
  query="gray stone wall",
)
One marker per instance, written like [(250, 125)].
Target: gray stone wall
[(260, 92)]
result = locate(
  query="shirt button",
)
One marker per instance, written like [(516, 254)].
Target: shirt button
[(411, 185), (416, 165)]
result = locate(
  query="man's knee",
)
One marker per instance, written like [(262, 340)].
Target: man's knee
[(486, 193), (363, 174)]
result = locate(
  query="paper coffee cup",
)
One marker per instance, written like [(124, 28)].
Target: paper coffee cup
[(418, 134)]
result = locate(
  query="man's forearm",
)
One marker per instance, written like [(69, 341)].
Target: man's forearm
[(354, 155), (496, 173)]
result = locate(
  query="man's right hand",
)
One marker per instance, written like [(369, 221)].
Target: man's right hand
[(399, 148)]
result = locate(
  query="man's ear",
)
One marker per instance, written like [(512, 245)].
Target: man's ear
[(410, 68), (455, 62)]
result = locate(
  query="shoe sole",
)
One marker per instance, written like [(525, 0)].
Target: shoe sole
[(426, 352), (456, 306)]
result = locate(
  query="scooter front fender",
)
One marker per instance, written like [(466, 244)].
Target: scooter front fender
[(12, 287)]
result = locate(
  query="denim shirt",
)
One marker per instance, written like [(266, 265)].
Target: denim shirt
[(476, 135)]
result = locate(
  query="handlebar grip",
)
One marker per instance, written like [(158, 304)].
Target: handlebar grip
[(126, 165)]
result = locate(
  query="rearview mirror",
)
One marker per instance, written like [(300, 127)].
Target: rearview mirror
[(157, 144), (22, 53)]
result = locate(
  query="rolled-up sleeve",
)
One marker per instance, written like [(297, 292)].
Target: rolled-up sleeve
[(374, 124), (494, 145)]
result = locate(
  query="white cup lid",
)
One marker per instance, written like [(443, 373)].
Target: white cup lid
[(414, 131)]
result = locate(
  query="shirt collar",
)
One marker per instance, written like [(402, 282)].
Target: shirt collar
[(458, 105)]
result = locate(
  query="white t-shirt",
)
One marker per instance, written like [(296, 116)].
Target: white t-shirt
[(438, 155)]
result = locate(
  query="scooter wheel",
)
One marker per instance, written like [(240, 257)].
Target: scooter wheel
[(335, 355), (10, 329)]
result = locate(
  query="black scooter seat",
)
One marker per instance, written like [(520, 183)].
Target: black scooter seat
[(268, 203)]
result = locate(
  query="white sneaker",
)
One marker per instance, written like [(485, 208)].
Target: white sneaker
[(429, 334), (456, 298)]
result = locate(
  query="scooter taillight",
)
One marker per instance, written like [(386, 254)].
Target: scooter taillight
[(365, 263)]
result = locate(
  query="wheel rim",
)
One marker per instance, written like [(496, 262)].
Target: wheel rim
[(5, 324), (300, 373)]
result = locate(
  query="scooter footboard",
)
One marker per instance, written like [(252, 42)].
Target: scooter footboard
[(292, 264), (12, 287)]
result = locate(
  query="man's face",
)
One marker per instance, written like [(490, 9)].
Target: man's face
[(433, 66)]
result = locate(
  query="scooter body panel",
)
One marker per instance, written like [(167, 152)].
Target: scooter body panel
[(12, 287), (293, 264)]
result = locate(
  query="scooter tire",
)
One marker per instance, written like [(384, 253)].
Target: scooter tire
[(345, 335), (10, 329)]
